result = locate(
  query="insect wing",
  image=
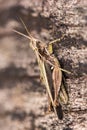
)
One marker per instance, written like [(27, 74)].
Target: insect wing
[(57, 80)]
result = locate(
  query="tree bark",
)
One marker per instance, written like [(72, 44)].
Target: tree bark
[(69, 18), (22, 97)]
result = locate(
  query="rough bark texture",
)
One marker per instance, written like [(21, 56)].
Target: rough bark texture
[(23, 99)]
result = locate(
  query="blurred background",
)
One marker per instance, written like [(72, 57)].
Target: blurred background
[(22, 98)]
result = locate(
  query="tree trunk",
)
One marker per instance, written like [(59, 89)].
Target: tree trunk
[(69, 19)]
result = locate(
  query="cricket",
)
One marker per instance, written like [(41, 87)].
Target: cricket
[(50, 70)]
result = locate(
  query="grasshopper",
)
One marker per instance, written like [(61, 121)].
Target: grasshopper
[(50, 71)]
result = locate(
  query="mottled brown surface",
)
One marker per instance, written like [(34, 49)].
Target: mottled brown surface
[(23, 98)]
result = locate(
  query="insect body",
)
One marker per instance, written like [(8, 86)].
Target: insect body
[(51, 75), (50, 71)]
